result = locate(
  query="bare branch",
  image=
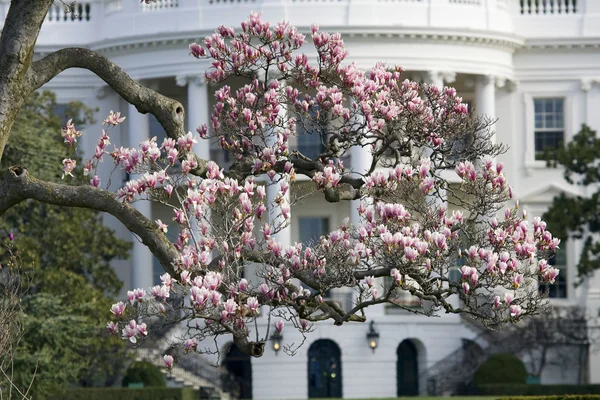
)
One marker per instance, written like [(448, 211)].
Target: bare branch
[(169, 113), (18, 186)]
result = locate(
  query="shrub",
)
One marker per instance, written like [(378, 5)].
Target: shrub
[(501, 368), (128, 394), (534, 390), (574, 397), (144, 372)]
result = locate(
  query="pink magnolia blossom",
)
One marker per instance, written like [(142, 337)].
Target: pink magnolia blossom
[(279, 326), (113, 119), (118, 309), (168, 360), (68, 167)]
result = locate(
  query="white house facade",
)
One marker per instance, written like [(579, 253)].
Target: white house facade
[(532, 64)]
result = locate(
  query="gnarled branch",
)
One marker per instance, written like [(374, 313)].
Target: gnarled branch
[(169, 113), (18, 186)]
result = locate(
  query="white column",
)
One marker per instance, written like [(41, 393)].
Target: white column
[(285, 235), (141, 257), (197, 109), (361, 163), (438, 78), (361, 159), (485, 98)]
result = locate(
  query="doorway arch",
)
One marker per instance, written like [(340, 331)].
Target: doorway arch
[(324, 370), (239, 369), (407, 369)]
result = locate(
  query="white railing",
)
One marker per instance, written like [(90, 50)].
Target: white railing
[(160, 5), (113, 6), (80, 12), (230, 2), (468, 2), (548, 7)]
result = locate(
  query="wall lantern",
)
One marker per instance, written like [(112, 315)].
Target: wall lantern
[(276, 339), (372, 336)]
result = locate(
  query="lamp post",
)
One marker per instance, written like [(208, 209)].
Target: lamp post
[(372, 336), (276, 339)]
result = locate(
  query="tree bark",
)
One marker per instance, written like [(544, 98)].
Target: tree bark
[(19, 34)]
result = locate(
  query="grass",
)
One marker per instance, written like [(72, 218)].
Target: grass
[(430, 398)]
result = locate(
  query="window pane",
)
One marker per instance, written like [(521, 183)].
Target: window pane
[(547, 141), (310, 142), (559, 122), (311, 228), (559, 289), (539, 121), (549, 105), (538, 105)]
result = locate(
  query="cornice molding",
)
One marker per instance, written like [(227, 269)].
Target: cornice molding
[(504, 41), (575, 43)]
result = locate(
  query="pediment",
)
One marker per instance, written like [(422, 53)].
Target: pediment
[(545, 194)]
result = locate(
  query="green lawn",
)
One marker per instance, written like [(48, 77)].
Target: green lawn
[(431, 398)]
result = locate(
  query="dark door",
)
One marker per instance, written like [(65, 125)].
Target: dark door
[(324, 370), (239, 368), (407, 369)]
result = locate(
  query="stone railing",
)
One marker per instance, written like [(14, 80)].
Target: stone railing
[(549, 7), (547, 19)]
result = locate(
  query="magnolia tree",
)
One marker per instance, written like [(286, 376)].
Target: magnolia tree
[(232, 219)]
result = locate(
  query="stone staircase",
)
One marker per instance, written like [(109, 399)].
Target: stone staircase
[(190, 370)]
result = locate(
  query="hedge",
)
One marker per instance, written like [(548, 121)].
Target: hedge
[(146, 373), (533, 390), (574, 397), (127, 394), (501, 369)]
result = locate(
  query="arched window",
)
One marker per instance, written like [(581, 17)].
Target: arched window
[(324, 370)]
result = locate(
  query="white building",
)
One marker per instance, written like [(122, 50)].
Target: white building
[(533, 64)]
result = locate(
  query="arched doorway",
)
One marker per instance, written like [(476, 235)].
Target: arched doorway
[(239, 368), (324, 370), (407, 367)]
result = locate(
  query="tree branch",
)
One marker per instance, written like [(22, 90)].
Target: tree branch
[(169, 113), (18, 186), (19, 34)]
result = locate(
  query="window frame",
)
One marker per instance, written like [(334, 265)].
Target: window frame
[(529, 122), (547, 130), (572, 249)]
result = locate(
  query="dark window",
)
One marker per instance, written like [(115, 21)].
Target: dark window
[(309, 139), (559, 289), (549, 125), (312, 228)]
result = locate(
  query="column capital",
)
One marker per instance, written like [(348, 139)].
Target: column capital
[(438, 78), (486, 79), (587, 83), (186, 79)]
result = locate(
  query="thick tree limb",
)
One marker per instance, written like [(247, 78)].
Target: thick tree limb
[(19, 34), (18, 186), (169, 113)]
